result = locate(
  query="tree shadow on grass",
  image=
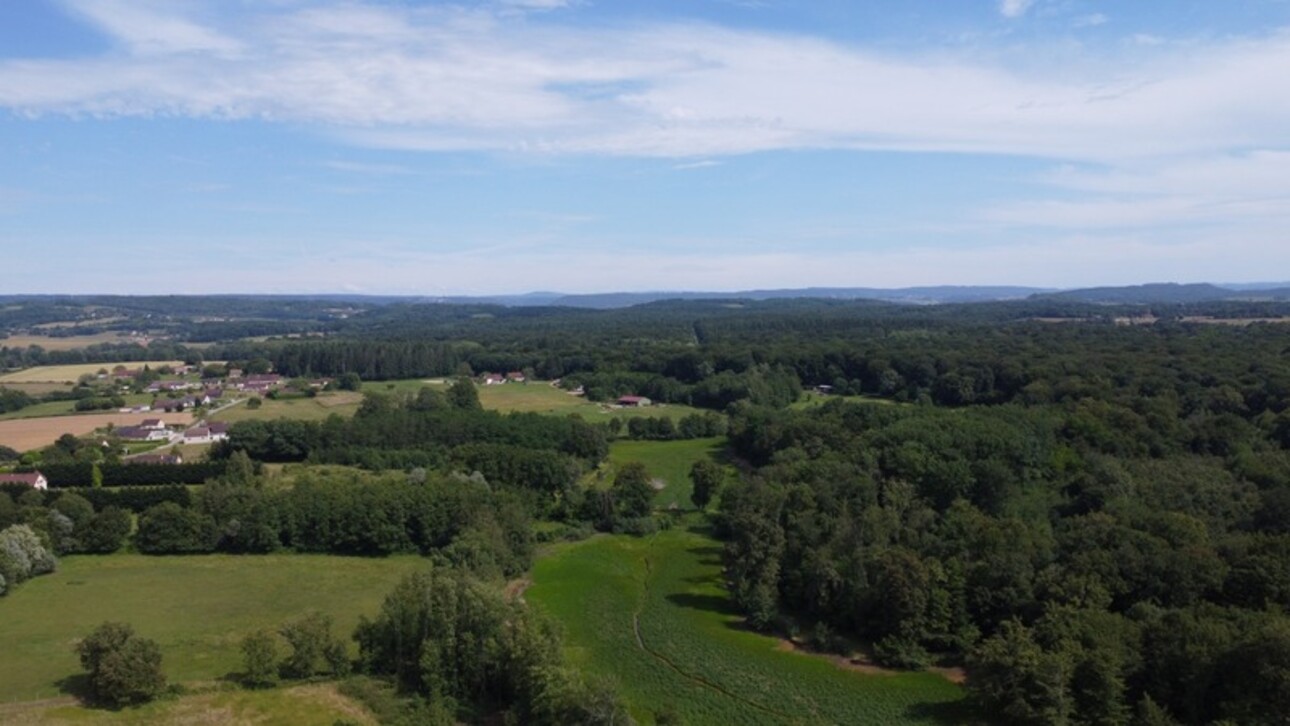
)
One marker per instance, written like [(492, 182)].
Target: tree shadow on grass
[(77, 686), (709, 603), (947, 712)]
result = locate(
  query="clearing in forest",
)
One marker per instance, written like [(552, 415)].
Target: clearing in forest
[(653, 616), (198, 608)]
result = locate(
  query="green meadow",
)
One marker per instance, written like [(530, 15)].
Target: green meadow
[(197, 608), (667, 461), (652, 616)]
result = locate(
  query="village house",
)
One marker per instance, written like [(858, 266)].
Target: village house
[(633, 401), (30, 478), (493, 379), (206, 433), (138, 433), (515, 377)]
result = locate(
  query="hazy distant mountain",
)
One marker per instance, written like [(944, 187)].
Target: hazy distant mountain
[(909, 295)]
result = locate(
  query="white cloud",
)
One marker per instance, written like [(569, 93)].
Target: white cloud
[(1091, 21), (1014, 8), (152, 28), (443, 78)]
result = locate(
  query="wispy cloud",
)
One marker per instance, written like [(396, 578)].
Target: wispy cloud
[(445, 78), (703, 164), (1014, 8), (366, 168)]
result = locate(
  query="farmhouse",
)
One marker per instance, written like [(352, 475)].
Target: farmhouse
[(153, 424), (515, 377), (206, 433), (633, 401), (139, 433), (493, 379), (30, 478)]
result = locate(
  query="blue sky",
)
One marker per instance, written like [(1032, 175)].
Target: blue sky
[(402, 146)]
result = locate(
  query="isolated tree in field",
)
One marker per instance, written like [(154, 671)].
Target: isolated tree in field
[(632, 491), (706, 475), (260, 659), (123, 668), (349, 382), (464, 395), (254, 402), (313, 648)]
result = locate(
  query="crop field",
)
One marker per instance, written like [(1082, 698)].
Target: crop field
[(70, 373), (65, 343), (669, 461), (652, 615), (307, 705), (342, 403), (197, 608), (32, 433)]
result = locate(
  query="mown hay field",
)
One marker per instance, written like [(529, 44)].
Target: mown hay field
[(652, 615), (197, 608), (33, 433), (71, 373), (65, 342)]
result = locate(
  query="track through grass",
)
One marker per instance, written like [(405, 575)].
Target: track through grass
[(653, 615)]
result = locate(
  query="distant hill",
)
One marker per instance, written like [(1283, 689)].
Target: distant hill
[(1164, 293), (908, 295)]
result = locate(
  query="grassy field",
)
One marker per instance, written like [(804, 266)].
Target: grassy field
[(35, 390), (342, 403), (669, 461), (41, 410), (33, 433), (307, 705), (196, 608), (65, 343), (70, 373), (542, 397), (652, 615)]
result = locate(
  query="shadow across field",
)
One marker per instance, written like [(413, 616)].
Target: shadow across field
[(708, 603)]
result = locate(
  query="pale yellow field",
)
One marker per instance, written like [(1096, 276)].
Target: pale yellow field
[(70, 343), (61, 374), (32, 433)]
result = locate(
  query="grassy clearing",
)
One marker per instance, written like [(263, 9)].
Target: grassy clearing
[(71, 373), (811, 399), (542, 397), (652, 615), (669, 461), (196, 608), (306, 705), (341, 403), (36, 390)]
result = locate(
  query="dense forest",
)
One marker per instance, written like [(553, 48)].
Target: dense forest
[(1091, 517)]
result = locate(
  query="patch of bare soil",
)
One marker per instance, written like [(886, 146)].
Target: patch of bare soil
[(861, 663)]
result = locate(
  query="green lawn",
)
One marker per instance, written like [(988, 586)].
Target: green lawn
[(197, 608), (652, 615), (669, 461), (542, 397), (343, 403)]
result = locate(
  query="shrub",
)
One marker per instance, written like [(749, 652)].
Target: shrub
[(260, 660), (123, 669)]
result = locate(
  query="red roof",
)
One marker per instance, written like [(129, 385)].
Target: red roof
[(26, 477)]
